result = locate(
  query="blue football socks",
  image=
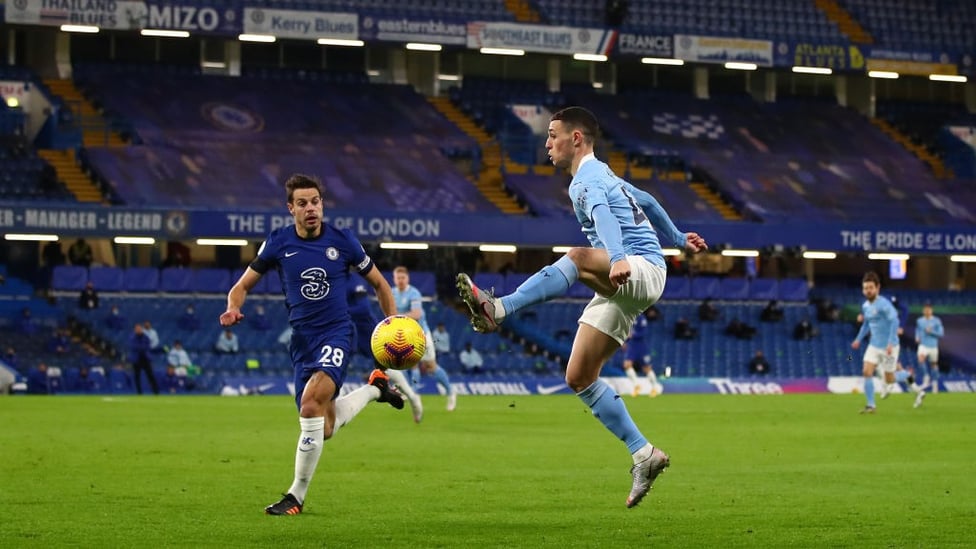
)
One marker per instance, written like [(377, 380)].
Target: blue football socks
[(441, 376), (610, 409), (869, 390), (551, 281)]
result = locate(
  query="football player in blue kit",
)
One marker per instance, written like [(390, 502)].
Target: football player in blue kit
[(362, 316), (314, 260)]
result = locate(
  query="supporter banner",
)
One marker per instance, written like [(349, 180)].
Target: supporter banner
[(966, 134), (466, 385), (845, 385), (653, 45), (540, 38), (535, 117), (451, 228), (310, 25), (17, 90), (714, 49), (104, 14), (404, 29), (937, 241), (920, 63), (808, 54), (193, 18), (911, 67)]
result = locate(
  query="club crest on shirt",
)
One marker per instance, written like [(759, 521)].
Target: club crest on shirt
[(332, 253), (581, 201)]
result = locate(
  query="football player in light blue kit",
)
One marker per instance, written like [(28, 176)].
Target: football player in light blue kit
[(928, 331), (314, 260), (362, 317), (409, 302), (881, 320), (624, 267)]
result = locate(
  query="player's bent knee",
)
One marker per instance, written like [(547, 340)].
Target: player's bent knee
[(577, 382)]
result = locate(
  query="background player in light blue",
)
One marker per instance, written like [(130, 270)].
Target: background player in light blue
[(365, 321), (314, 260), (624, 267), (409, 302), (928, 331), (881, 321)]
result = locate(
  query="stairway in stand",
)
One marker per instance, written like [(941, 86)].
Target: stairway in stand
[(523, 11), (845, 21), (95, 130), (69, 173), (716, 201), (489, 180), (935, 163)]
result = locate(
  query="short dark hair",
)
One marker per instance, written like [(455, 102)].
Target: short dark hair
[(579, 118), (871, 276), (302, 181)]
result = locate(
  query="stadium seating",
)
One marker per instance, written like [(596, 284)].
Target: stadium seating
[(919, 25), (233, 136), (106, 279), (787, 160), (23, 174), (480, 10), (547, 195), (800, 21)]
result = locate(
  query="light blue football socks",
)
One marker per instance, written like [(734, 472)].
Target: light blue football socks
[(441, 376), (869, 390), (551, 281), (610, 409)]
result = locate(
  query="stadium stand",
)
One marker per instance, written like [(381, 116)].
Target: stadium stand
[(393, 141), (767, 19), (917, 25), (789, 159)]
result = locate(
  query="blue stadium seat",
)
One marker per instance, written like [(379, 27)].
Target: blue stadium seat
[(212, 281), (794, 289), (490, 280), (142, 279), (733, 289), (69, 277), (764, 289), (677, 287), (175, 280), (107, 279), (703, 287)]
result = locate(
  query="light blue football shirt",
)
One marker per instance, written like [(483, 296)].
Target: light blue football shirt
[(881, 318), (409, 300), (930, 340), (637, 213)]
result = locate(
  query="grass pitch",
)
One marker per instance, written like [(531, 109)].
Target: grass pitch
[(759, 471)]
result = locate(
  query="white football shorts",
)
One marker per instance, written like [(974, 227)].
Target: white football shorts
[(615, 315), (885, 362), (928, 353), (430, 354)]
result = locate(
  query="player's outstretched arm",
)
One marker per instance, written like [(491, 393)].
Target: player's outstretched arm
[(237, 295), (383, 291), (659, 218)]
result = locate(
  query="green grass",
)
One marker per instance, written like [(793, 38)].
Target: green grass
[(759, 471)]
